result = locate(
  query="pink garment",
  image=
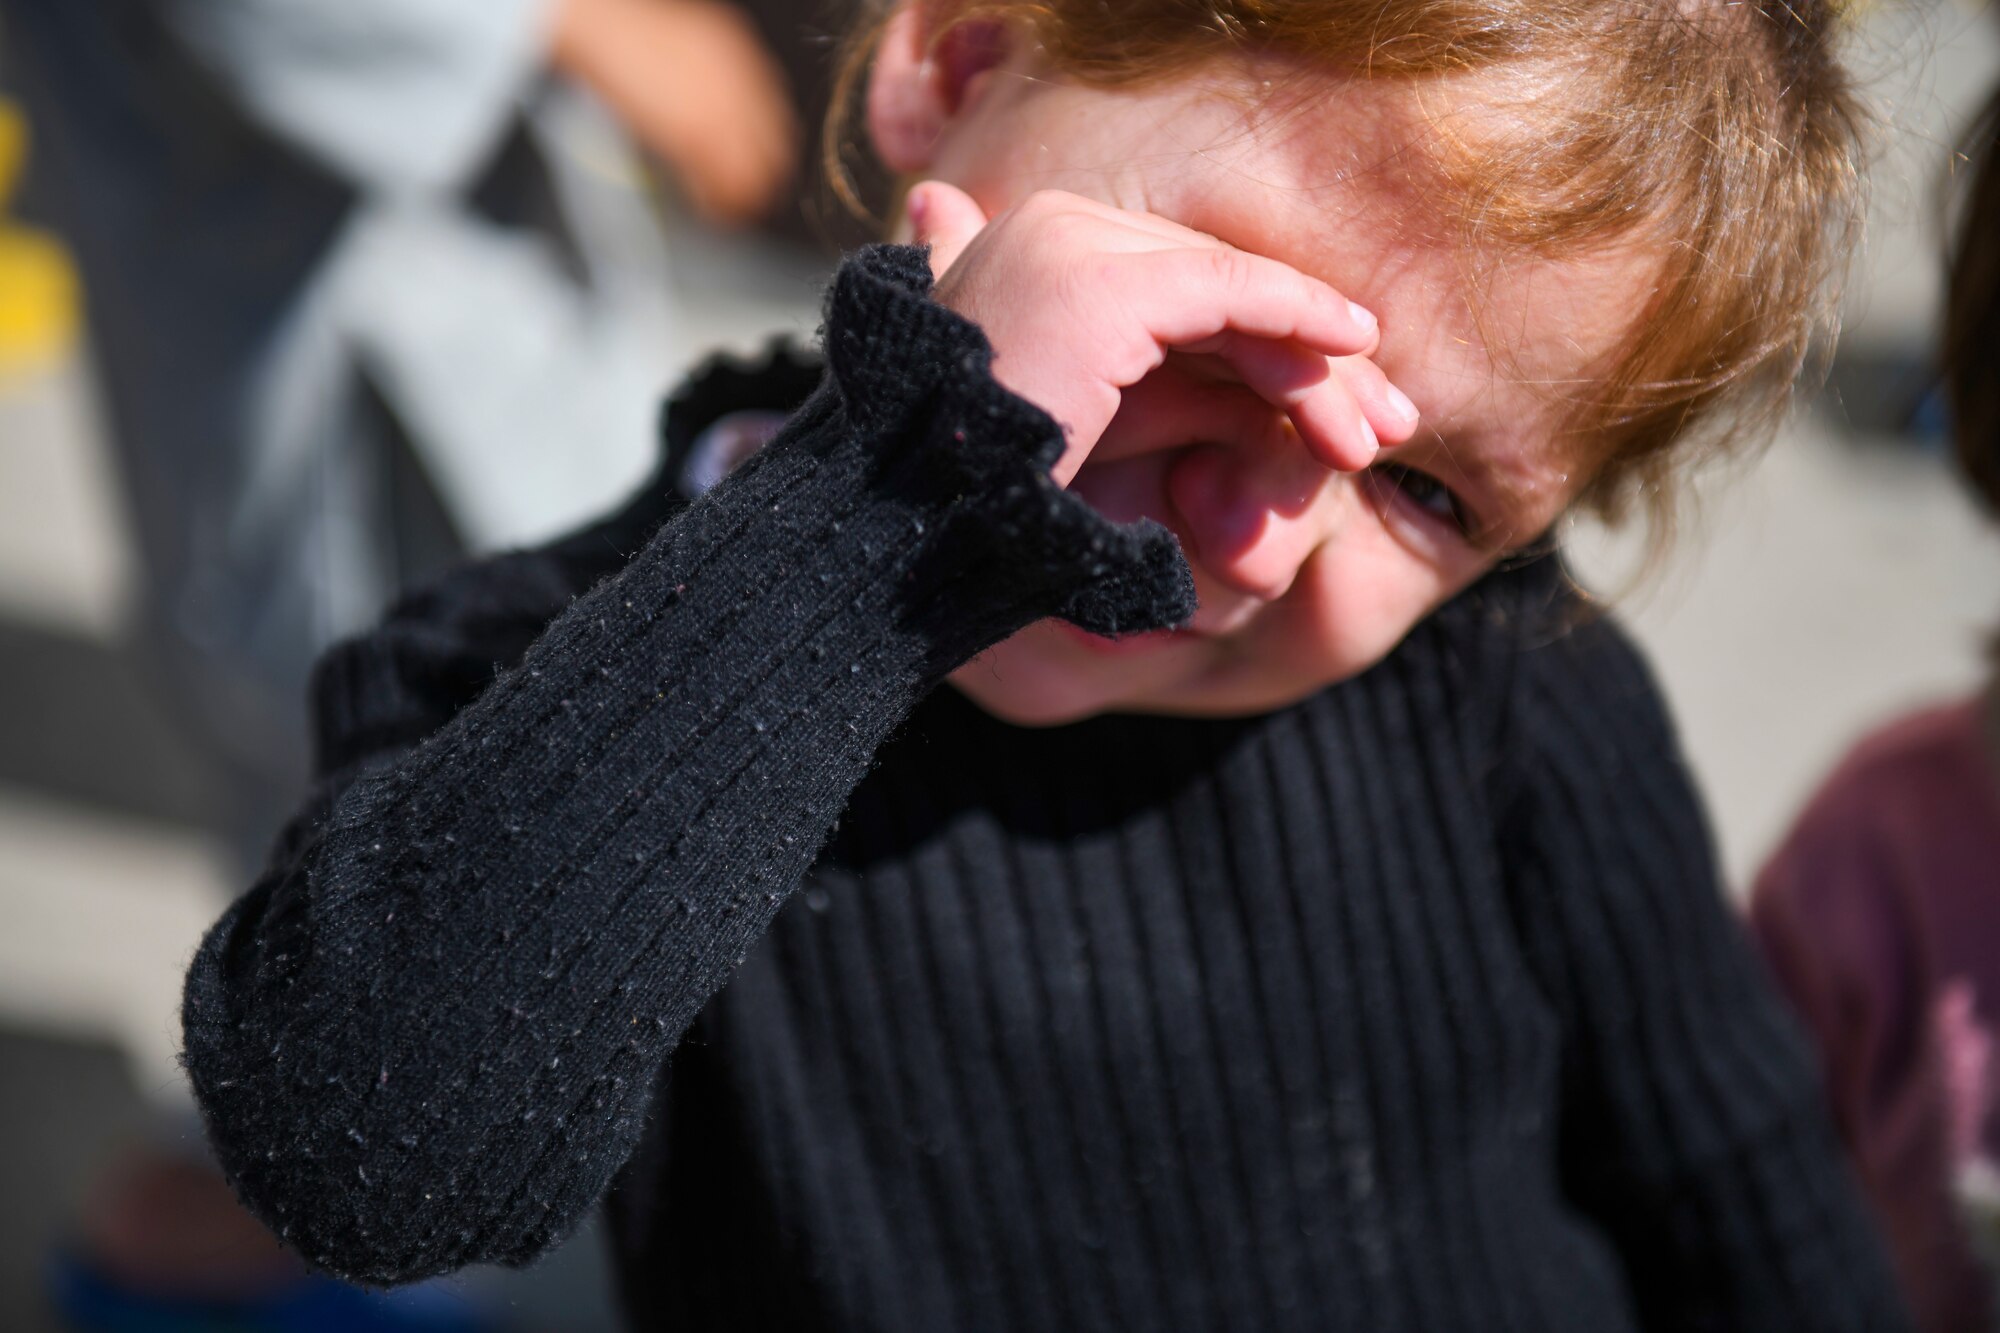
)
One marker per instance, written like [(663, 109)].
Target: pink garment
[(1881, 916)]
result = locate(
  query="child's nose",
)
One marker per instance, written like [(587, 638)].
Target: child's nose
[(1253, 514)]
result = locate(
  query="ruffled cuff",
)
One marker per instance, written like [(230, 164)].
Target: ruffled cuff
[(916, 387)]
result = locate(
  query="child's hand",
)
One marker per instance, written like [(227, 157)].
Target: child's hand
[(1081, 301)]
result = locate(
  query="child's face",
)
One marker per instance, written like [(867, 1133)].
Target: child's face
[(1305, 576)]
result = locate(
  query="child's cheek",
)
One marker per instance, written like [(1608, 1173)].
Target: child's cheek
[(1356, 598)]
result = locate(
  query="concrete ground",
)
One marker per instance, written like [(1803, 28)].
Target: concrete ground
[(1841, 578)]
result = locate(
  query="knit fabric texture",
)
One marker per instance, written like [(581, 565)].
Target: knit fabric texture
[(653, 868)]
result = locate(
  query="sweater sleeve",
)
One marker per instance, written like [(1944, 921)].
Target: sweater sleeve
[(1693, 1127), (426, 1036), (378, 694)]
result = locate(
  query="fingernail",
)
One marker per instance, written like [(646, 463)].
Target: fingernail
[(1400, 404), (1362, 316), (917, 205), (1368, 434)]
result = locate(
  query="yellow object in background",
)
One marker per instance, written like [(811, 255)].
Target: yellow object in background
[(38, 287)]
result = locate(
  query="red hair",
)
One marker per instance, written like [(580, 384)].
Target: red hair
[(1724, 137)]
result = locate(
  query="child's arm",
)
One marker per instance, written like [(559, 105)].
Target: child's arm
[(1694, 1129), (376, 695), (426, 1037)]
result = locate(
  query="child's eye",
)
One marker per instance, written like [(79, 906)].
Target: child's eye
[(1406, 485)]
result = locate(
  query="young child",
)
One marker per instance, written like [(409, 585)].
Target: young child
[(1102, 821)]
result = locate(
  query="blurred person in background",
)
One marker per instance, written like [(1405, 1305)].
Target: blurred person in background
[(369, 284), (1881, 911), (321, 243)]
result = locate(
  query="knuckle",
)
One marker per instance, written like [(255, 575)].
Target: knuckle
[(1102, 272), (1232, 270), (1064, 228), (1046, 206), (1358, 374)]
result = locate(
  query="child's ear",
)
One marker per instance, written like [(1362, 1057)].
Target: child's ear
[(920, 80)]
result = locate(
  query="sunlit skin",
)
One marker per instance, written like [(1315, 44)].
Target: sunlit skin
[(1306, 574)]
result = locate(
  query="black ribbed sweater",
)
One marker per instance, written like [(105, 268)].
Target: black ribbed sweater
[(652, 855)]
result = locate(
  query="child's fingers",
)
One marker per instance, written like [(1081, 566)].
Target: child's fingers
[(1170, 409), (945, 218), (1283, 372), (1333, 427), (1389, 410), (1185, 296), (1174, 235), (1159, 232), (1126, 288), (1301, 383), (1165, 231)]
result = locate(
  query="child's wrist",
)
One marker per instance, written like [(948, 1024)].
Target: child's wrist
[(973, 461)]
